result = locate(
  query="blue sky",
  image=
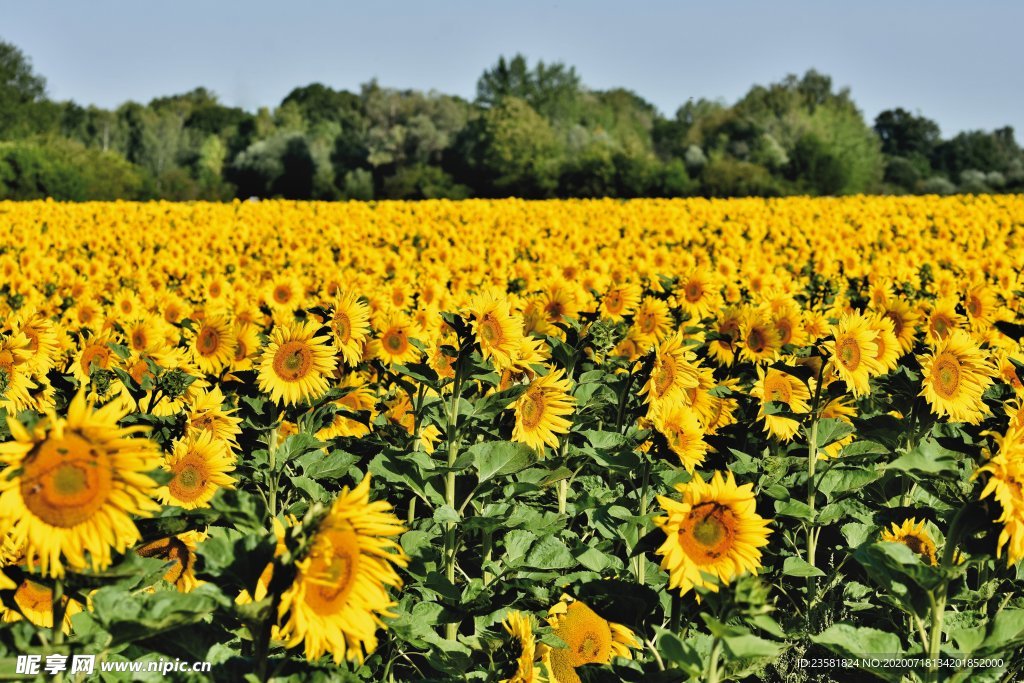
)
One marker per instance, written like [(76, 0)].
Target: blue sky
[(959, 63)]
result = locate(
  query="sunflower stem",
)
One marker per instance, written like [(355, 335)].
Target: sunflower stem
[(812, 461), (58, 607), (452, 629), (712, 673), (640, 566)]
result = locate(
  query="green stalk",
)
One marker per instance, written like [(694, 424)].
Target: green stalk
[(450, 550), (58, 607), (812, 461), (640, 566), (712, 673)]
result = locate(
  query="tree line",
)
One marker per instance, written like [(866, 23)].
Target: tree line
[(532, 131)]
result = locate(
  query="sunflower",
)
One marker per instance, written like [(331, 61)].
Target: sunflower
[(520, 626), (180, 552), (541, 410), (854, 353), (889, 350), (247, 345), (727, 328), (360, 398), (981, 305), (904, 321), (43, 346), (778, 386), (1006, 484), (35, 601), (339, 594), (759, 340), (394, 346), (674, 372), (714, 530), (213, 344), (683, 431), (206, 413), (913, 535), (284, 294), (942, 320), (788, 323), (697, 295), (94, 353), (652, 320), (621, 299), (145, 335), (15, 373), (350, 323), (956, 374), (589, 639), (295, 365), (73, 485), (497, 331), (199, 467)]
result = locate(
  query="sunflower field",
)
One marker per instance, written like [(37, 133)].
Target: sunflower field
[(526, 442)]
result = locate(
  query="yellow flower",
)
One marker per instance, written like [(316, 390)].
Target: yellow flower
[(913, 535), (685, 436), (497, 331), (350, 323), (199, 467), (180, 552), (777, 386), (956, 374), (541, 410), (296, 364), (854, 353), (1006, 484), (520, 626), (73, 484), (674, 372), (714, 530), (590, 639), (339, 595), (213, 344)]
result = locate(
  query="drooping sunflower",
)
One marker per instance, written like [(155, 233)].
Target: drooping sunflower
[(296, 364), (180, 552), (727, 327), (350, 323), (73, 485), (339, 594), (35, 601), (199, 467), (520, 626), (213, 344), (590, 639), (542, 409), (674, 372), (1006, 484), (497, 331), (956, 374), (207, 413), (683, 431), (913, 535), (775, 385), (714, 530)]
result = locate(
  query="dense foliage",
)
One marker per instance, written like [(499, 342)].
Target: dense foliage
[(532, 131), (657, 440)]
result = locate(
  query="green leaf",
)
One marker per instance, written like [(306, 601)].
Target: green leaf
[(830, 430), (446, 514), (500, 458), (928, 457), (794, 508), (550, 553), (798, 566), (749, 646), (862, 642)]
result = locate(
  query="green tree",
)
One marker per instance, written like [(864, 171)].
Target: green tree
[(20, 89), (516, 151)]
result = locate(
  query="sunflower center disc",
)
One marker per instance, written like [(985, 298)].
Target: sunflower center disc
[(293, 360), (849, 353), (708, 532), (664, 376), (209, 340), (335, 573), (947, 376), (66, 481), (531, 408)]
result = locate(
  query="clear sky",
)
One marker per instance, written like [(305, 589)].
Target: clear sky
[(960, 63)]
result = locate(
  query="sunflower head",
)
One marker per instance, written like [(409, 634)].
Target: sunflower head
[(913, 535), (589, 639)]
